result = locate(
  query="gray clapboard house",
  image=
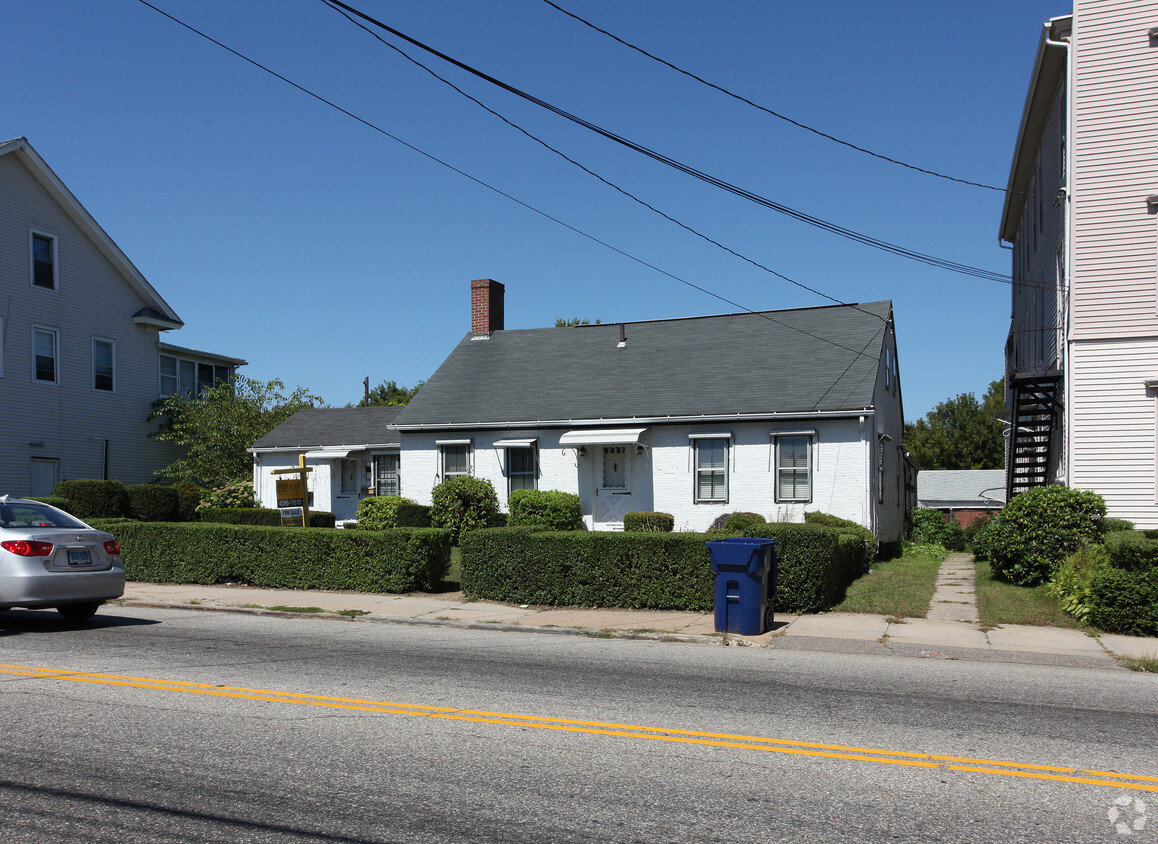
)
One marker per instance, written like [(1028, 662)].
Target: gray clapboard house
[(81, 359), (777, 412), (353, 452)]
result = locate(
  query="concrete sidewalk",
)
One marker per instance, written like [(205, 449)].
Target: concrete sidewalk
[(930, 638)]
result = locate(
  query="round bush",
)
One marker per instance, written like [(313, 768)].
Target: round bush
[(463, 503), (543, 508), (1038, 529), (380, 512)]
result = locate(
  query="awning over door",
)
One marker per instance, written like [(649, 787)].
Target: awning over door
[(525, 442), (602, 436), (329, 453)]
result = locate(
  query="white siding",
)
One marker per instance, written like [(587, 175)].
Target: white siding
[(1114, 424), (1115, 272), (92, 299)]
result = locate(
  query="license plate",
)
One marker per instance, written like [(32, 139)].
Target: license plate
[(79, 558)]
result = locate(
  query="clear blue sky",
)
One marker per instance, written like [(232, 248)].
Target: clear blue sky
[(321, 251)]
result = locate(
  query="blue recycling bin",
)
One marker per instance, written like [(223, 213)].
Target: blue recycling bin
[(742, 568)]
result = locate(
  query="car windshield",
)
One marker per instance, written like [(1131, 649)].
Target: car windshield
[(26, 514)]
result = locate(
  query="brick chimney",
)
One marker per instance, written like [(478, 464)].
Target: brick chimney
[(486, 306)]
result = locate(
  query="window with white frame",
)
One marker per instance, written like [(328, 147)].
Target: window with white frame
[(104, 355), (711, 461), (43, 261), (454, 459), (793, 468), (181, 375), (45, 344), (520, 468)]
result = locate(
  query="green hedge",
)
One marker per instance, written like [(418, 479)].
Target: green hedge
[(577, 568), (94, 499), (403, 560), (1131, 550), (647, 520), (53, 501), (647, 570), (1125, 601), (153, 503), (548, 509), (259, 516), (413, 515)]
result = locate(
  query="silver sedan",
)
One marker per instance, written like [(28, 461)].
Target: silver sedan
[(49, 559)]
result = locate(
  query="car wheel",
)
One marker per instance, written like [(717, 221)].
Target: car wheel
[(78, 612)]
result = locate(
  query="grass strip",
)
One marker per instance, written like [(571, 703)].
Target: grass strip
[(999, 602), (901, 588)]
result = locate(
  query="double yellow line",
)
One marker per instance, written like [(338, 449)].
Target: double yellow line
[(1110, 779)]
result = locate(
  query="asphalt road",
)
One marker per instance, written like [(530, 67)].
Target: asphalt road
[(176, 725)]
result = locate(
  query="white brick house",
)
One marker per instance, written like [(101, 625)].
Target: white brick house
[(776, 413)]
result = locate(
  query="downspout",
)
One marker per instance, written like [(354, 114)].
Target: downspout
[(1065, 473), (865, 469)]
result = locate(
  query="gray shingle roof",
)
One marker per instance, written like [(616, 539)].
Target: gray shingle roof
[(946, 488), (793, 361), (337, 426)]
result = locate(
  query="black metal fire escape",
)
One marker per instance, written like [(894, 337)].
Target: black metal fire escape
[(1034, 427)]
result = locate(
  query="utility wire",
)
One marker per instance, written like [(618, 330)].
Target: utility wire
[(763, 314), (590, 172), (817, 222), (767, 110)]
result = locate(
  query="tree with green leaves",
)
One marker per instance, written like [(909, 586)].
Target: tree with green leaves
[(961, 433), (560, 322), (218, 424), (389, 394)]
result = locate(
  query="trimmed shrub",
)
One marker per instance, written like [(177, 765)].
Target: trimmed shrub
[(241, 516), (546, 509), (403, 560), (260, 516), (1125, 601), (463, 503), (846, 526), (1114, 525), (735, 524), (1073, 582), (153, 503), (651, 570), (931, 527), (645, 520), (1130, 550), (53, 501), (380, 512), (1038, 529), (413, 515), (322, 519), (91, 499), (188, 498)]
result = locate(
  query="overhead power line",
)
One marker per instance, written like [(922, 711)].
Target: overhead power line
[(763, 314), (767, 110), (817, 222)]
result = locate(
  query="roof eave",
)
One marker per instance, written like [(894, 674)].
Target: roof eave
[(1048, 67)]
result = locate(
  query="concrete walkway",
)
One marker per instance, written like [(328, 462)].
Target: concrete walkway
[(951, 631), (956, 595)]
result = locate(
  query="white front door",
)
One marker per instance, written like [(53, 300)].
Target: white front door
[(612, 486)]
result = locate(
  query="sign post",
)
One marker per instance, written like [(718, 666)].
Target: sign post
[(293, 500)]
